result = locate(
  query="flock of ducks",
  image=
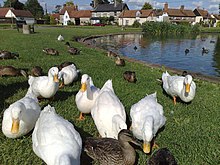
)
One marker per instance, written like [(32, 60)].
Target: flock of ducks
[(56, 141)]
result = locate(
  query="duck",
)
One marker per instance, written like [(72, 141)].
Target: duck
[(64, 64), (186, 51), (20, 117), (135, 48), (111, 54), (162, 156), (119, 61), (112, 151), (55, 140), (205, 51), (4, 54), (51, 51), (147, 118), (108, 112), (12, 71), (179, 86), (68, 75), (72, 50), (60, 38), (45, 86), (130, 76), (86, 96), (36, 71)]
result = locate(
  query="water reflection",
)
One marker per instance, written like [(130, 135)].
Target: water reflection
[(168, 51)]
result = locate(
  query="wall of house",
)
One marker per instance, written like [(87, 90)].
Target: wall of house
[(85, 21), (198, 19), (66, 18)]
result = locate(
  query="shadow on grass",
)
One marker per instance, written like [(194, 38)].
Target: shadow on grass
[(10, 90), (63, 95)]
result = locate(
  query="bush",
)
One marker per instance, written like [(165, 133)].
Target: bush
[(218, 24), (136, 24)]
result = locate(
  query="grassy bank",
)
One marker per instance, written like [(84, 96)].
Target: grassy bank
[(191, 131)]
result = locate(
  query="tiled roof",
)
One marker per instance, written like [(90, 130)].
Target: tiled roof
[(56, 15), (132, 13), (201, 12), (69, 9), (110, 7), (80, 14), (3, 12), (179, 13), (22, 13), (216, 16)]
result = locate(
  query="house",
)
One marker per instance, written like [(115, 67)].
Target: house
[(128, 17), (216, 18), (108, 10), (12, 15), (64, 13), (201, 15), (177, 15), (80, 17), (56, 16)]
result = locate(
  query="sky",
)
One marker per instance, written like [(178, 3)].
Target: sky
[(211, 5)]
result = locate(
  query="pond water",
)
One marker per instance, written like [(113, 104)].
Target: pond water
[(168, 51)]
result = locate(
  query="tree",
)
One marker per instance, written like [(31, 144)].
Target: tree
[(69, 3), (35, 8), (102, 1), (14, 4), (146, 6)]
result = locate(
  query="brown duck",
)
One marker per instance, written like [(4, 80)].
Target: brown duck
[(8, 55), (51, 51), (130, 76), (119, 61), (111, 54), (12, 71), (109, 151), (72, 50), (36, 71)]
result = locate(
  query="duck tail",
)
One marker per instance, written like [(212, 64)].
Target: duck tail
[(23, 73), (107, 86)]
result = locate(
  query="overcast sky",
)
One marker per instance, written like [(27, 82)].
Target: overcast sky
[(211, 5)]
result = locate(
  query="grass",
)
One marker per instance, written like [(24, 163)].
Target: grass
[(191, 132)]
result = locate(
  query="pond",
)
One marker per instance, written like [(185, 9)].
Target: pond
[(168, 51)]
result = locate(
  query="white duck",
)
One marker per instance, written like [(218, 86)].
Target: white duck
[(55, 139), (60, 38), (20, 117), (45, 86), (179, 86), (147, 118), (68, 74), (86, 96), (108, 112)]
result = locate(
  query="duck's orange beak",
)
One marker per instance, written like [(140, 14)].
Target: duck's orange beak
[(55, 78), (15, 126), (187, 88), (146, 147), (83, 87)]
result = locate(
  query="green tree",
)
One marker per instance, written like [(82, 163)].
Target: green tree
[(14, 3), (35, 8), (69, 3), (52, 20), (146, 6)]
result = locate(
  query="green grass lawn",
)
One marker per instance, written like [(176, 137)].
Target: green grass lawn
[(191, 132)]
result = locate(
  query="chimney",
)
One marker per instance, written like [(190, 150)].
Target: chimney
[(165, 9), (115, 3), (182, 7)]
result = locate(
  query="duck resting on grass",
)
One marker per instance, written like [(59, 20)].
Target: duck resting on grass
[(55, 139), (60, 38), (179, 86), (12, 71), (51, 51), (86, 96), (147, 118), (20, 117), (45, 86), (109, 151), (108, 112), (72, 50), (4, 54), (36, 71), (130, 76), (119, 61)]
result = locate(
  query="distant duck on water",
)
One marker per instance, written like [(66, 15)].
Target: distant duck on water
[(186, 51), (205, 51)]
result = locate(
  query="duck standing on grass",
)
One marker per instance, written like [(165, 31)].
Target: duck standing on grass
[(68, 75), (147, 118), (86, 96), (55, 139), (45, 86), (179, 86), (20, 117), (109, 151), (108, 112)]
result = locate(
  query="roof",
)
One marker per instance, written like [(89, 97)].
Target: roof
[(132, 13), (80, 14), (3, 12), (110, 7), (22, 13), (56, 15), (216, 16), (69, 9), (179, 13), (201, 12)]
